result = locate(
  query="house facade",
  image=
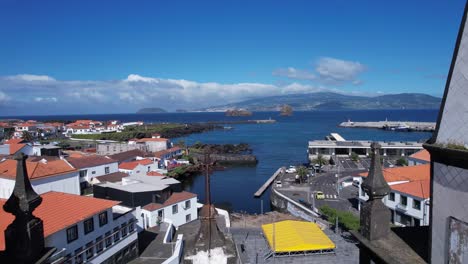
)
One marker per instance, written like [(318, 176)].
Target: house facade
[(84, 229), (91, 167), (180, 208), (45, 176)]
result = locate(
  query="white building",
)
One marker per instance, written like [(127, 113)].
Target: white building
[(45, 176), (93, 166), (138, 167), (409, 198), (84, 229), (179, 209), (155, 144)]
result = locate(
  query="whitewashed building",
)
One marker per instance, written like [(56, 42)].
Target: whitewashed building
[(138, 167), (93, 166), (84, 229), (45, 176), (179, 209)]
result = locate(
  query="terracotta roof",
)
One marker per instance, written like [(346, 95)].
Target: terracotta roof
[(15, 148), (161, 153), (131, 154), (152, 139), (173, 199), (130, 165), (59, 211), (154, 173), (36, 170), (90, 161), (422, 155), (14, 141), (409, 173), (112, 177), (419, 189)]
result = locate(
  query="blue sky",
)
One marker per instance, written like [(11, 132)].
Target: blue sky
[(118, 56)]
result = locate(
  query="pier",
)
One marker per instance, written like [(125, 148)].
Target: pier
[(267, 183), (393, 125)]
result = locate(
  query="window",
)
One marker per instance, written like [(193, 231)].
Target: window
[(116, 234), (93, 172), (123, 230), (149, 168), (99, 244), (102, 218), (403, 200), (416, 204), (83, 173), (106, 170), (174, 209), (89, 250), (108, 238), (131, 226), (72, 233), (160, 213), (391, 196), (107, 147), (78, 256), (188, 218), (88, 225), (187, 204)]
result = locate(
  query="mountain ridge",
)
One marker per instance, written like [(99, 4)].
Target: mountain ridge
[(333, 101)]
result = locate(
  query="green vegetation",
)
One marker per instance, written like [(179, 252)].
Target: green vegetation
[(178, 172), (354, 156), (166, 131), (302, 172), (320, 160), (456, 146), (346, 220), (27, 136), (402, 162)]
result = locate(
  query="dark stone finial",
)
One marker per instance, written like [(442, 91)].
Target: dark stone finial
[(24, 237), (375, 185), (375, 216)]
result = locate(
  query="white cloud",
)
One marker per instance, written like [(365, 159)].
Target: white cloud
[(327, 70), (294, 73), (336, 70), (132, 93), (31, 78), (46, 99)]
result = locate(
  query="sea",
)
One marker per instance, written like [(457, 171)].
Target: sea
[(279, 144)]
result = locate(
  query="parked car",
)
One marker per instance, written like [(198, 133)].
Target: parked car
[(319, 195), (291, 169), (279, 184)]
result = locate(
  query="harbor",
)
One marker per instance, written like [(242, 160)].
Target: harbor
[(392, 125)]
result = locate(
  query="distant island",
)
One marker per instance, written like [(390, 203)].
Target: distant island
[(238, 112), (286, 110), (151, 110), (333, 101)]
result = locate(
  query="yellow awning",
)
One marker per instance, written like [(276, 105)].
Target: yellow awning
[(291, 236)]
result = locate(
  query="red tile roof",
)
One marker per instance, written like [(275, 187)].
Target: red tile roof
[(422, 155), (409, 173), (419, 189), (161, 153), (152, 140), (15, 148), (90, 161), (131, 154), (130, 165), (154, 173), (59, 211), (36, 170), (176, 197), (14, 141)]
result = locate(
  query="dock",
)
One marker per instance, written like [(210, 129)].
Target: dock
[(267, 183), (393, 125)]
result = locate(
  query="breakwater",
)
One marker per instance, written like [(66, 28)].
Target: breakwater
[(392, 125)]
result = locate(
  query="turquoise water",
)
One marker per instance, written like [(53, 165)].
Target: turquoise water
[(279, 144)]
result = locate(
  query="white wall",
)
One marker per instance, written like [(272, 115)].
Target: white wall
[(67, 183), (178, 218), (59, 239), (100, 170), (155, 146)]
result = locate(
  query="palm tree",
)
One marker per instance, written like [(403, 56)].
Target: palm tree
[(320, 160), (302, 172), (27, 136)]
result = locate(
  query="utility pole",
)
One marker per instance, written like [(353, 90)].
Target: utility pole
[(261, 206)]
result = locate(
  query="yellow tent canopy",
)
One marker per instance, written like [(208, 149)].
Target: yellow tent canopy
[(293, 236)]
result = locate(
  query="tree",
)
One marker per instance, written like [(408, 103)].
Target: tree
[(354, 156), (27, 136), (320, 160), (302, 172), (402, 162)]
